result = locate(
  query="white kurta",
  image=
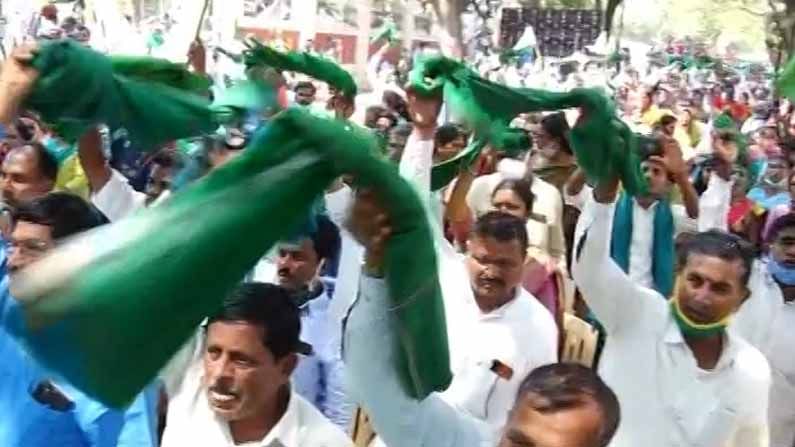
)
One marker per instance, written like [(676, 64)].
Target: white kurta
[(666, 399), (768, 322), (118, 199)]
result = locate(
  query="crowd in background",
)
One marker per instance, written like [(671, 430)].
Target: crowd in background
[(681, 297)]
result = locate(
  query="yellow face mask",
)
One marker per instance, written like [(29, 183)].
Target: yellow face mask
[(691, 328)]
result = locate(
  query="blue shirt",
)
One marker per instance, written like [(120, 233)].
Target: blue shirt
[(319, 377), (26, 420)]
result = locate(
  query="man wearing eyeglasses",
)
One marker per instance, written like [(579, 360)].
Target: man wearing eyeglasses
[(36, 409)]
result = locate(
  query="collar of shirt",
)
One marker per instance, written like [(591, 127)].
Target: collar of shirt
[(285, 432), (673, 336), (502, 310)]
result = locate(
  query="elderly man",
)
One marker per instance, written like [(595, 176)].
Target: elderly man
[(231, 386)]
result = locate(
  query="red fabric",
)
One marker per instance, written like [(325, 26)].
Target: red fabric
[(740, 112), (738, 210)]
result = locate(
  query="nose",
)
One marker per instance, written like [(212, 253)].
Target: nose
[(220, 370)]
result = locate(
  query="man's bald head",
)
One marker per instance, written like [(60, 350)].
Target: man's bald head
[(28, 172)]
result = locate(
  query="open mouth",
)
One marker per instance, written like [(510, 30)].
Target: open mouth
[(221, 400)]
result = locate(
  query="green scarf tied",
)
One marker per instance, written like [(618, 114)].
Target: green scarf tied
[(605, 147), (317, 67), (662, 254), (114, 311), (78, 87)]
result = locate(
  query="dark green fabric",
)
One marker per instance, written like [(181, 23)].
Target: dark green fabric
[(162, 72), (78, 87), (317, 67), (147, 281), (786, 80), (603, 144), (444, 173)]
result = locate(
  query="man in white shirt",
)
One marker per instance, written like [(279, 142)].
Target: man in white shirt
[(234, 389), (681, 378), (662, 170), (556, 405), (767, 321), (319, 377), (492, 320)]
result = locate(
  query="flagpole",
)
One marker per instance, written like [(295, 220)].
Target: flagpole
[(201, 19)]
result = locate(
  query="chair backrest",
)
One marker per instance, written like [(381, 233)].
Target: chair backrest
[(579, 345)]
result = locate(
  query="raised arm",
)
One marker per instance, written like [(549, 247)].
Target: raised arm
[(16, 80), (93, 160), (370, 351), (715, 202), (614, 298)]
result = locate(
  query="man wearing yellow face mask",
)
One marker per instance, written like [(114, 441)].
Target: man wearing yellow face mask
[(681, 377)]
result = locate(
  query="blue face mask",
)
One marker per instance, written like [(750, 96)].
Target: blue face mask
[(783, 274)]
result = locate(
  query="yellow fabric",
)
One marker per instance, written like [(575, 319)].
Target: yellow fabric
[(71, 178), (652, 115)]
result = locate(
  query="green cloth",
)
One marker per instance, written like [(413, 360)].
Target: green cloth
[(786, 80), (128, 302), (78, 87), (603, 144), (312, 65), (162, 72), (388, 31), (662, 254)]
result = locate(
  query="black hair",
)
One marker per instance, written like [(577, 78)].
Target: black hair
[(168, 159), (502, 227), (719, 244), (305, 84), (520, 187), (558, 128), (780, 224), (667, 119), (46, 163), (395, 102), (447, 133), (268, 306), (65, 213), (326, 240), (563, 386), (374, 113)]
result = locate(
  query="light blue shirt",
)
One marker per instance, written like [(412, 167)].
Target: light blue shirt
[(319, 378), (25, 422), (370, 352)]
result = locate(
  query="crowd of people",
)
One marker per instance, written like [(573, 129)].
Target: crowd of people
[(686, 289)]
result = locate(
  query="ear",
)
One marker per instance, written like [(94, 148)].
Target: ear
[(288, 364)]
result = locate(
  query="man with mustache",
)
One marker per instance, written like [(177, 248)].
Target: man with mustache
[(36, 408), (498, 332), (558, 405), (233, 384), (681, 377), (767, 321), (299, 262)]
